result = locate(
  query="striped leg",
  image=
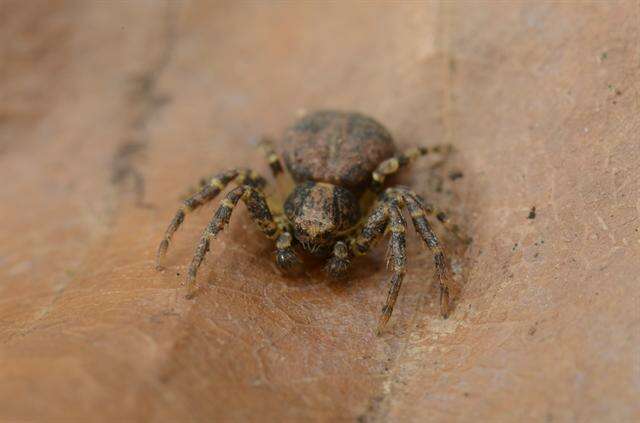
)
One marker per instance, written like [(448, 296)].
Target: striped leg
[(258, 210), (432, 210), (207, 193), (284, 182), (192, 190), (396, 260), (394, 164), (373, 229), (386, 215), (448, 287), (274, 161)]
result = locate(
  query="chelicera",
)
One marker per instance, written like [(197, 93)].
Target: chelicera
[(336, 207)]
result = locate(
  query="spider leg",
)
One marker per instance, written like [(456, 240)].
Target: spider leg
[(189, 192), (208, 192), (266, 145), (258, 210), (432, 210), (387, 215), (284, 182), (373, 229), (397, 162), (448, 287), (396, 260)]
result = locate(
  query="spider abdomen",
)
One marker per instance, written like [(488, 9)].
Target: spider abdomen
[(341, 148)]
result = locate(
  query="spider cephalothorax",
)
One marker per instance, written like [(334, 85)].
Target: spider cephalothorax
[(337, 161), (319, 212)]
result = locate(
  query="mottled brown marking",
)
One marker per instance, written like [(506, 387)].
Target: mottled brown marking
[(336, 147), (319, 212), (396, 262)]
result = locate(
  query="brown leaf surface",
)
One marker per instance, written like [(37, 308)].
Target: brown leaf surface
[(110, 110)]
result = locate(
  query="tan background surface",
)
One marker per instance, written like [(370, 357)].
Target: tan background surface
[(102, 102)]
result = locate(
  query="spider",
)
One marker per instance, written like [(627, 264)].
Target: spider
[(336, 208)]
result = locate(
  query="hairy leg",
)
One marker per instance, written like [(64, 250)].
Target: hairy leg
[(387, 215), (258, 210), (207, 193), (284, 182), (266, 145), (373, 229), (396, 261), (448, 287), (397, 162), (432, 210)]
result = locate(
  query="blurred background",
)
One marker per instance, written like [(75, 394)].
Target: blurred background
[(111, 110)]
